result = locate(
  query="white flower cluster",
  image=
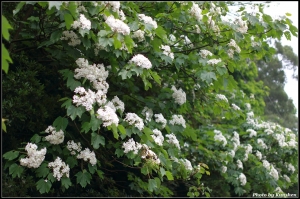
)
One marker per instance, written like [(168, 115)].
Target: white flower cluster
[(266, 164), (213, 26), (231, 153), (268, 131), (35, 157), (187, 164), (221, 97), (196, 12), (243, 179), (56, 137), (173, 140), (148, 113), (215, 10), (242, 26), (178, 95), (116, 104), (131, 145), (248, 149), (205, 53), (239, 164), (115, 5), (278, 190), (172, 38), (167, 51), (286, 178), (262, 143), (158, 137), (88, 98), (274, 172), (149, 154), (290, 167), (70, 35), (81, 8), (235, 48), (147, 20), (73, 147), (178, 119), (95, 73), (135, 120), (223, 169), (59, 168), (88, 155), (139, 34), (258, 155), (82, 23), (236, 140), (159, 118), (248, 106), (198, 30), (187, 41), (219, 137), (141, 61), (252, 133), (108, 116), (98, 47), (117, 25), (235, 107)]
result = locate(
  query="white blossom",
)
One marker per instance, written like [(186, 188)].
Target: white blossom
[(223, 169), (158, 137), (243, 179), (118, 104), (141, 61), (35, 157), (219, 137), (167, 51), (159, 118), (178, 95), (235, 107), (252, 133), (72, 147), (82, 23), (239, 164), (131, 145), (205, 53), (196, 12), (221, 97), (290, 167), (88, 155), (286, 178), (117, 25), (139, 34), (258, 155), (148, 20), (173, 140), (242, 26), (187, 164), (148, 113), (59, 168), (178, 119), (262, 143), (71, 36), (108, 116), (134, 119), (56, 137)]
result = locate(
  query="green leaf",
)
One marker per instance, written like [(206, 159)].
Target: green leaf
[(66, 182), (42, 186), (86, 42), (106, 41), (43, 170), (156, 44), (155, 76), (221, 70), (85, 127), (71, 161), (5, 59), (16, 170), (68, 20), (208, 76), (60, 123), (288, 14), (115, 131), (117, 43), (73, 111), (100, 174), (151, 185), (92, 169), (162, 171), (5, 27), (19, 7), (169, 175), (55, 4), (122, 129), (134, 25), (83, 178), (287, 35), (95, 123), (96, 140), (129, 43), (36, 138), (10, 155), (3, 122), (159, 31), (72, 8), (119, 152)]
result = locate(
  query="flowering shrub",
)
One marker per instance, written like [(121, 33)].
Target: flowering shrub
[(125, 62)]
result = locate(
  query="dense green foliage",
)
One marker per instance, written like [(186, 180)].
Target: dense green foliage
[(211, 100)]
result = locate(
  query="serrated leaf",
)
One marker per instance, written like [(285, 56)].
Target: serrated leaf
[(151, 185), (73, 111), (122, 129), (133, 25), (86, 42), (71, 161), (15, 170), (160, 32), (83, 178), (155, 76), (43, 187), (119, 152), (96, 140), (106, 41), (5, 59), (36, 138), (129, 43), (169, 175), (60, 123), (5, 28), (162, 171), (95, 123), (115, 131), (10, 155), (92, 169), (85, 127), (208, 76), (117, 43), (42, 171), (19, 7), (66, 182), (100, 174), (68, 20)]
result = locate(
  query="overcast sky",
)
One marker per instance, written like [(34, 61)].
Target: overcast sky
[(279, 8)]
